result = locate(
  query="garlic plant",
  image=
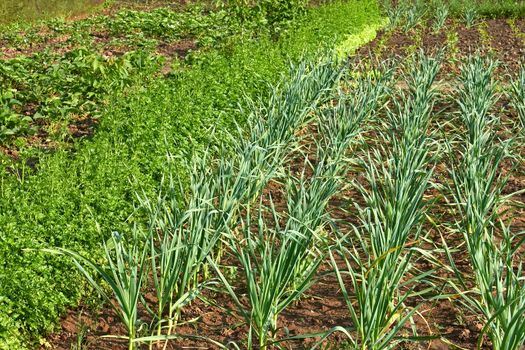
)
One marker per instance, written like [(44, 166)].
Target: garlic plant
[(470, 16), (440, 18), (124, 273), (517, 97)]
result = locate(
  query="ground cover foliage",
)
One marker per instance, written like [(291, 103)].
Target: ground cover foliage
[(62, 191)]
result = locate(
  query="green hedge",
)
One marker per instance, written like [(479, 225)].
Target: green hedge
[(77, 198)]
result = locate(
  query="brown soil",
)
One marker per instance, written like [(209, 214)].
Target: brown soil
[(321, 309), (432, 41), (506, 45), (469, 40), (171, 51)]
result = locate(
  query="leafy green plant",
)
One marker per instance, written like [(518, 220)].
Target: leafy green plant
[(269, 260), (394, 16), (477, 97), (179, 241), (280, 13), (394, 11), (12, 123), (276, 15)]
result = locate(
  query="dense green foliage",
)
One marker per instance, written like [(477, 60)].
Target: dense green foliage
[(85, 60), (76, 70), (50, 87), (76, 198)]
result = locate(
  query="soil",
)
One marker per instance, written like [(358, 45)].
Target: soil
[(508, 47), (469, 40), (505, 45)]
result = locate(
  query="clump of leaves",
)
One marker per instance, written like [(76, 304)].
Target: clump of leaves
[(277, 15), (413, 17), (12, 123), (440, 18), (470, 16)]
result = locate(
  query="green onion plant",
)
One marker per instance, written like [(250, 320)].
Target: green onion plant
[(279, 260), (394, 13), (413, 17), (124, 271), (470, 16)]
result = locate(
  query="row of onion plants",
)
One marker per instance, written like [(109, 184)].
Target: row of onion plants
[(279, 257), (373, 263), (496, 293)]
